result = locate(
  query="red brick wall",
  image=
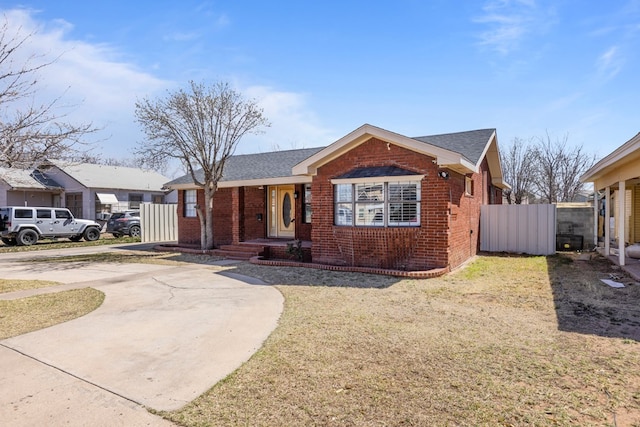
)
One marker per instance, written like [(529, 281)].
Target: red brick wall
[(223, 217), (188, 228), (448, 235), (303, 230), (235, 213), (411, 248), (450, 219), (254, 205)]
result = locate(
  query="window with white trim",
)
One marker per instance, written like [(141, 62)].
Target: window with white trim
[(190, 201), (134, 200), (377, 204), (468, 186), (307, 204)]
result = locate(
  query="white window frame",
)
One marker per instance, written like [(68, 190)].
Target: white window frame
[(367, 202), (190, 202), (468, 186)]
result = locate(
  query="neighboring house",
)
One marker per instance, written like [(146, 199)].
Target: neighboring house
[(20, 187), (616, 180), (88, 190), (373, 198)]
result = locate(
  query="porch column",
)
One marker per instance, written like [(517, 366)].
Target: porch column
[(237, 214), (595, 217), (621, 220), (607, 221)]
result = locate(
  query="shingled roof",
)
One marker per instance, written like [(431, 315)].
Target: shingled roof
[(246, 167), (470, 144), (112, 177), (28, 180), (458, 151)]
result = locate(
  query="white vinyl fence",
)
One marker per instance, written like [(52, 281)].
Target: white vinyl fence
[(159, 223), (526, 229)]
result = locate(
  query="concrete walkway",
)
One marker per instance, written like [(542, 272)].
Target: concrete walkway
[(163, 336)]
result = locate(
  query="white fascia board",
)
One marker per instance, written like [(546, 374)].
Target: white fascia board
[(460, 165), (287, 180), (376, 179), (499, 182), (618, 154)]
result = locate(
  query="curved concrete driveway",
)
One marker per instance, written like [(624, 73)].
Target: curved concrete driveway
[(163, 336)]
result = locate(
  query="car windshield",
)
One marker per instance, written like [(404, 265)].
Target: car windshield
[(117, 215)]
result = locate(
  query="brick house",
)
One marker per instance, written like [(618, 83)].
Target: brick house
[(373, 198)]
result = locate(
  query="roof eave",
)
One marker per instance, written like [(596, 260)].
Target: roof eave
[(446, 158), (623, 152), (284, 180)]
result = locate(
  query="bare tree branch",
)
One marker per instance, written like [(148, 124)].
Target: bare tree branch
[(519, 172), (31, 133), (546, 169), (558, 169), (201, 128)]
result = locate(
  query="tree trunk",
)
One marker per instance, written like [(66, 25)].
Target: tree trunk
[(208, 209), (203, 227)]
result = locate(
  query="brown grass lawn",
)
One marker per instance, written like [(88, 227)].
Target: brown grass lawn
[(505, 341), (29, 314)]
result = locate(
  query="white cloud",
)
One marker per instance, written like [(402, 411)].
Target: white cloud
[(508, 22), (293, 123), (610, 62), (98, 84), (94, 85)]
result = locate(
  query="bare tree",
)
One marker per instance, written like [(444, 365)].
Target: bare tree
[(558, 169), (519, 171), (30, 132), (200, 127)]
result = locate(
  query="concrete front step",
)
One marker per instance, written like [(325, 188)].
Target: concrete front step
[(239, 252), (243, 248)]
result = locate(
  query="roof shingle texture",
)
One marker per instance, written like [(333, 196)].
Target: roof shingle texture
[(242, 167), (111, 177), (470, 144), (278, 164), (20, 178)]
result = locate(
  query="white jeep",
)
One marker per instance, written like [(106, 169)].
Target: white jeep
[(23, 226)]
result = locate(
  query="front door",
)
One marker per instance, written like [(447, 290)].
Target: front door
[(281, 211)]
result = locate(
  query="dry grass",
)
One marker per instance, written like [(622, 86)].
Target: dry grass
[(105, 239), (11, 285), (29, 314), (506, 341), (129, 257)]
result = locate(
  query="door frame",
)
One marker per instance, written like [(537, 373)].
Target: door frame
[(276, 227)]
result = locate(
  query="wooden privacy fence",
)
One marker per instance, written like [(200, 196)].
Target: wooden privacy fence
[(159, 223), (527, 229)]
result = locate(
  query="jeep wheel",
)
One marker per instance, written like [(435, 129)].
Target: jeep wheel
[(91, 234), (27, 237), (9, 242), (134, 231)]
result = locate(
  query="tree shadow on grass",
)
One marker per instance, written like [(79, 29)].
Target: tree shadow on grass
[(585, 304)]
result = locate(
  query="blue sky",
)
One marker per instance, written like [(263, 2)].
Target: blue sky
[(322, 69)]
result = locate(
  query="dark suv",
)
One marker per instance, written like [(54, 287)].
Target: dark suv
[(121, 223)]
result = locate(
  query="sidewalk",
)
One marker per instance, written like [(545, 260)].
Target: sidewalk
[(163, 336)]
